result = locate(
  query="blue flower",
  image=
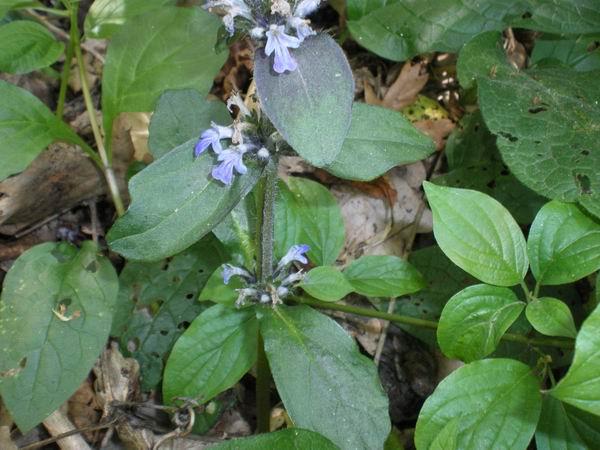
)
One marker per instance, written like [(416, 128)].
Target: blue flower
[(295, 253), (279, 42), (232, 9), (303, 30), (212, 137), (230, 158), (306, 7), (233, 271)]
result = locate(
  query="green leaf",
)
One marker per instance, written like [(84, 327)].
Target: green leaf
[(562, 427), (213, 354), (495, 403), (140, 66), (401, 29), (446, 439), (378, 139), (182, 115), (579, 53), (307, 213), (106, 17), (288, 439), (50, 357), (27, 46), (478, 234), (383, 276), (311, 106), (326, 283), (563, 244), (7, 5), (325, 383), (545, 119), (551, 317), (580, 387), (165, 293), (26, 128), (218, 292), (474, 320), (474, 162), (174, 203)]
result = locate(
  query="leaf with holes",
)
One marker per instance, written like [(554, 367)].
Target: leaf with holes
[(55, 315), (175, 202), (140, 65), (474, 320), (180, 116), (311, 106), (497, 403), (27, 127), (325, 383), (217, 291), (213, 354), (157, 301), (326, 283)]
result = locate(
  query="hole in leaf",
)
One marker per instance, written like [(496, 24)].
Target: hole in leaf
[(537, 109), (526, 15), (190, 296), (583, 182), (183, 325), (155, 355), (585, 152), (176, 279), (92, 267), (164, 332), (508, 136)]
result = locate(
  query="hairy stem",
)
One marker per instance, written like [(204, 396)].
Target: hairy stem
[(89, 105), (407, 320), (265, 227)]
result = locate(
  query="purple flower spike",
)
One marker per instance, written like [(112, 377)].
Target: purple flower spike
[(233, 271), (279, 42), (230, 158), (212, 137), (295, 253)]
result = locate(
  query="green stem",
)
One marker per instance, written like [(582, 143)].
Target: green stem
[(64, 80), (56, 12), (526, 291), (263, 394), (265, 227), (536, 290), (407, 320), (87, 97)]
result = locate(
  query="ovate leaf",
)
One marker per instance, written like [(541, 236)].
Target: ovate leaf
[(157, 52), (182, 115), (562, 427), (474, 320), (383, 276), (217, 291), (580, 387), (495, 403), (106, 17), (579, 53), (26, 128), (212, 355), (307, 213), (563, 244), (288, 439), (478, 234), (378, 139), (551, 317), (326, 385), (175, 202), (27, 46), (311, 106), (326, 283), (55, 315), (7, 5)]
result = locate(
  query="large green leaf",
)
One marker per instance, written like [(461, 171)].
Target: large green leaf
[(562, 427), (378, 139), (217, 291), (326, 283), (563, 244), (325, 383), (7, 5), (474, 162), (311, 106), (182, 115), (212, 355), (545, 119), (307, 213), (288, 439), (580, 387), (551, 317), (26, 128), (383, 276), (174, 203), (401, 29), (579, 53), (55, 314), (27, 46), (165, 294), (495, 402), (474, 320), (106, 17), (157, 52), (478, 234)]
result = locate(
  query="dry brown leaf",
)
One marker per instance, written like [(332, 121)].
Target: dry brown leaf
[(84, 410), (438, 130), (411, 79)]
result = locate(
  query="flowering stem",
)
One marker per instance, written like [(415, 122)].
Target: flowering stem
[(106, 166), (407, 320)]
